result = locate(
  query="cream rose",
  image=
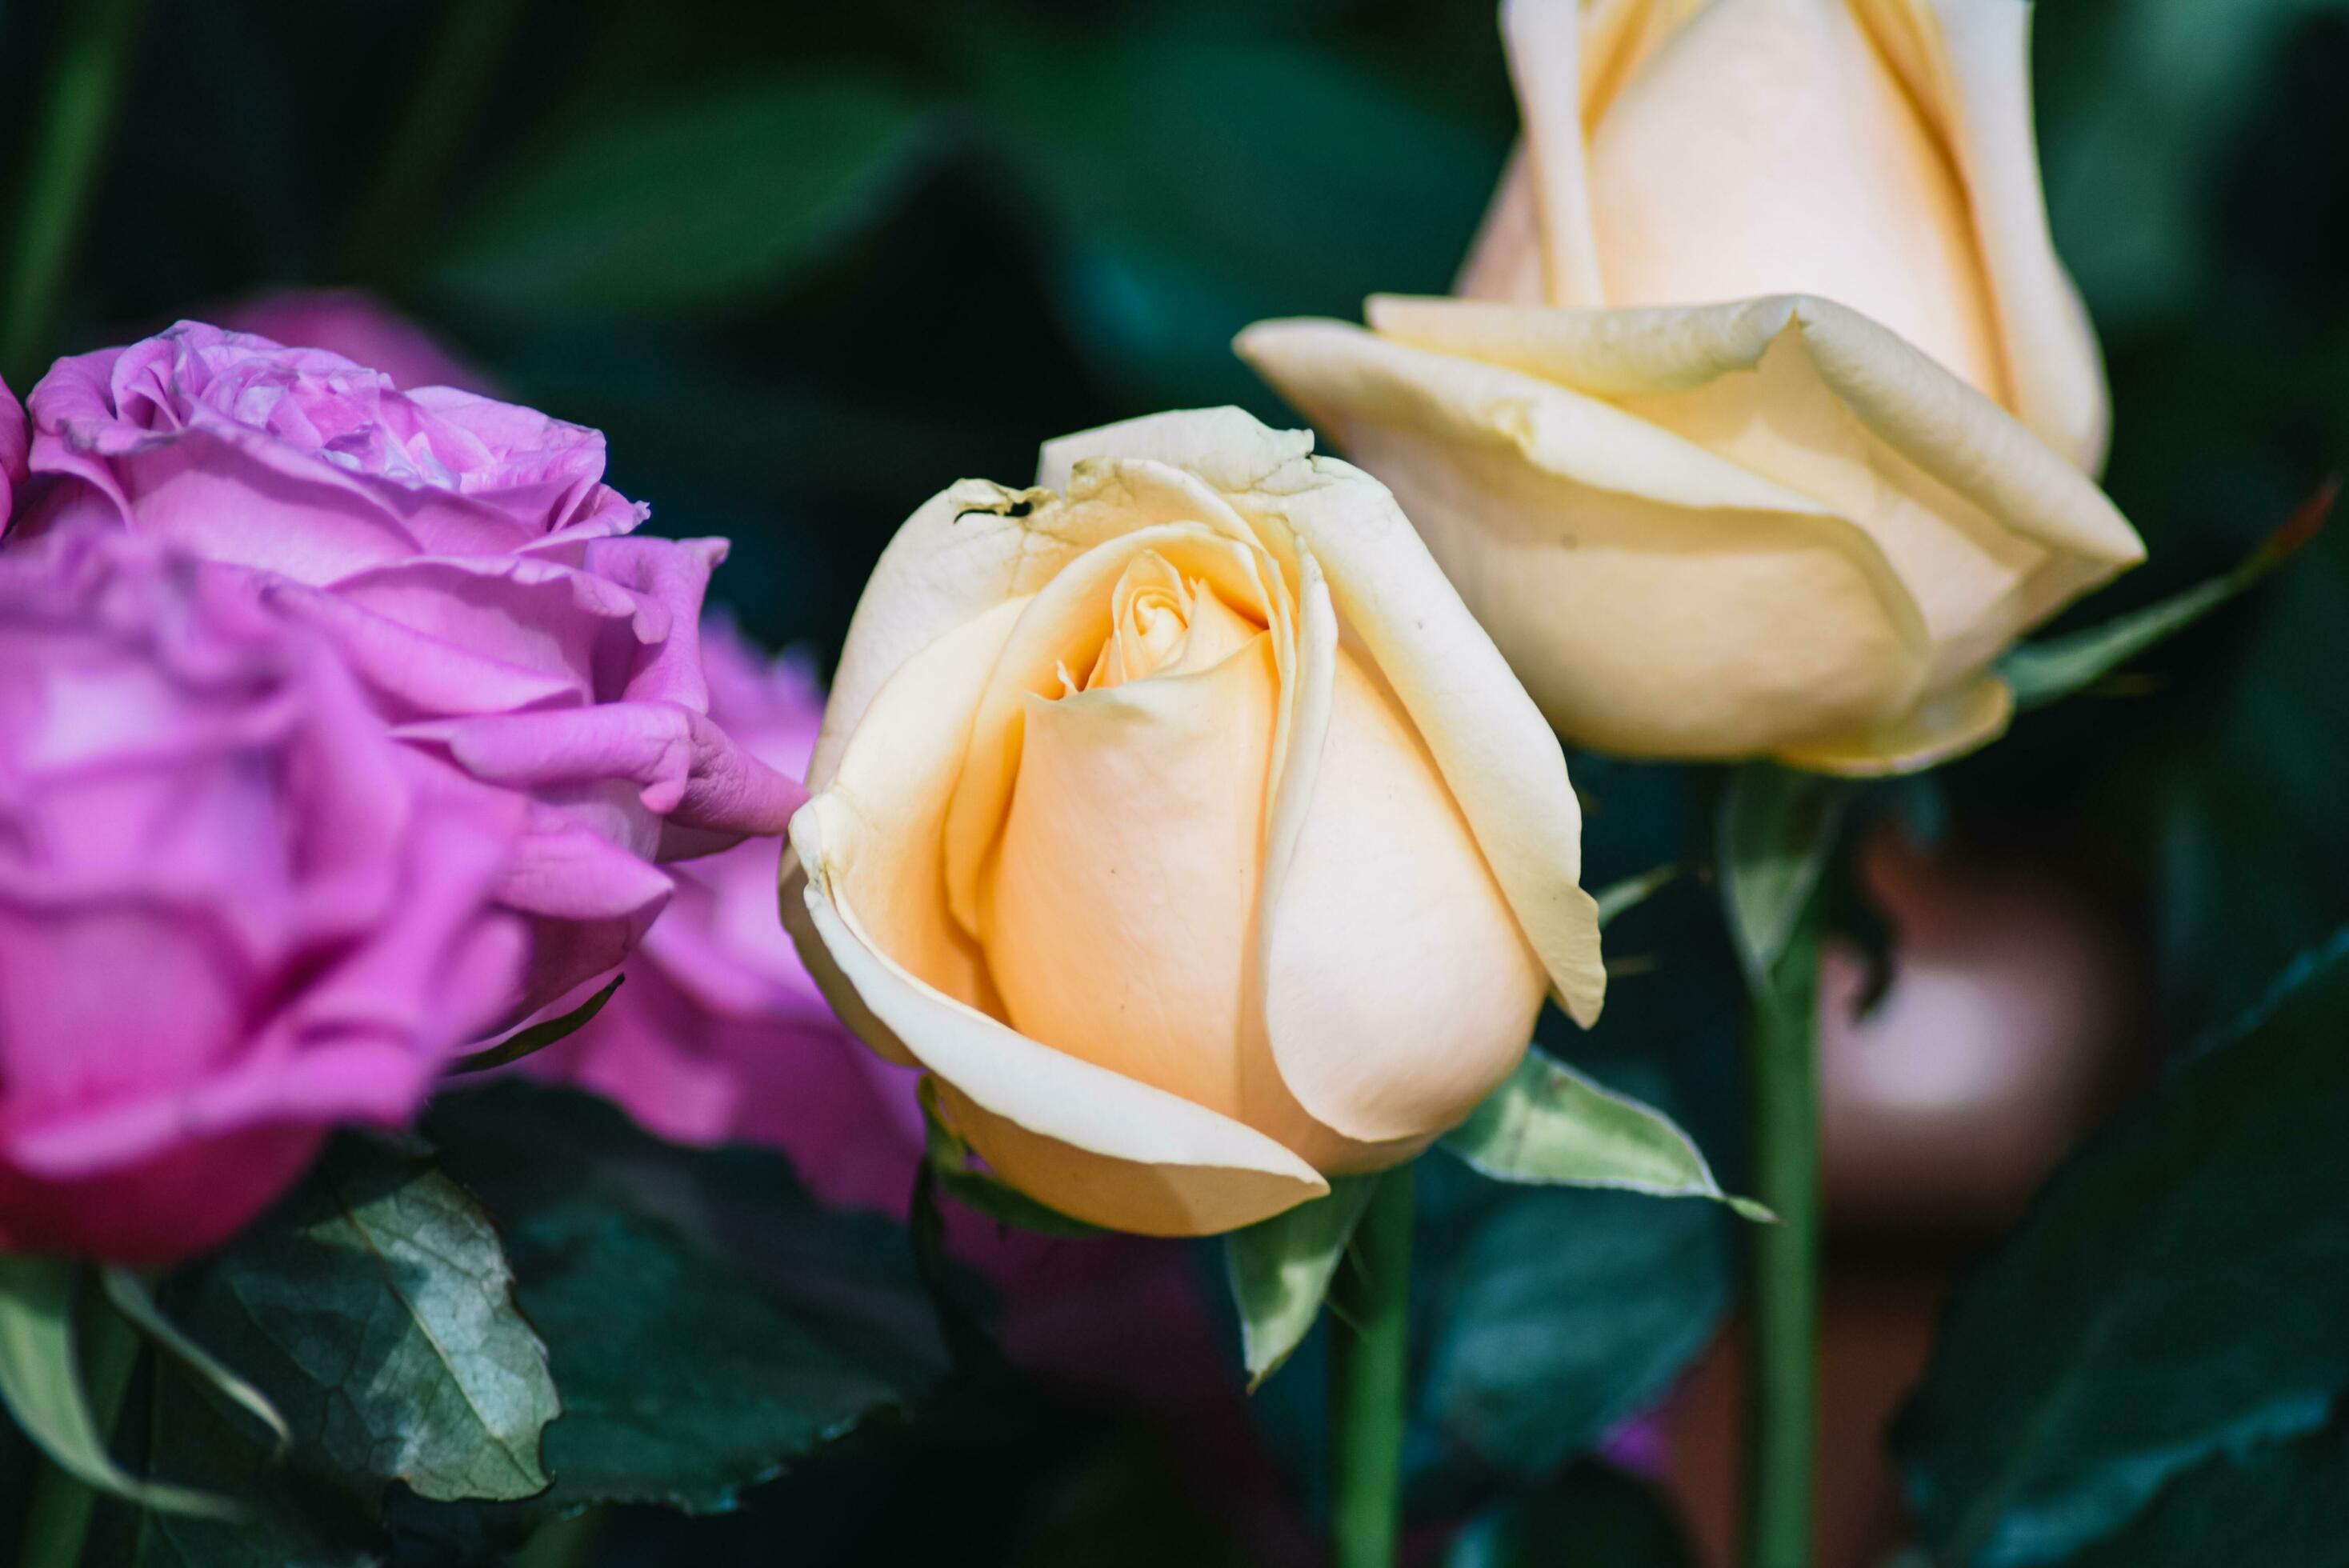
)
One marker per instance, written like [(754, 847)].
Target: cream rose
[(1178, 819), (1801, 522)]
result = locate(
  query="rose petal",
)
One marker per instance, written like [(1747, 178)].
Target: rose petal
[(1093, 1143)]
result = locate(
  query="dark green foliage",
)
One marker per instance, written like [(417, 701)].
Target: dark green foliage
[(2174, 1296)]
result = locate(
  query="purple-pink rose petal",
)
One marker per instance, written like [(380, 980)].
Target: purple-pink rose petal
[(472, 568), (232, 911)]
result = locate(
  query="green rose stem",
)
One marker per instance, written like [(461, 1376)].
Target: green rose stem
[(58, 1520), (1370, 1376), (447, 97), (1784, 1416), (86, 78)]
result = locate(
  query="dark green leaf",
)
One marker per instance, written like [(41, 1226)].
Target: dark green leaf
[(537, 1037), (2279, 1503), (1565, 1313), (41, 1385), (1777, 830), (1191, 186), (709, 1321), (1281, 1270), (1550, 1126), (2254, 846), (2042, 673), (374, 1308), (686, 203), (290, 1518), (1590, 1517), (2175, 1294)]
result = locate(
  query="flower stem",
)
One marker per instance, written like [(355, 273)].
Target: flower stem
[(1370, 1374), (58, 1519), (1784, 1431), (85, 81)]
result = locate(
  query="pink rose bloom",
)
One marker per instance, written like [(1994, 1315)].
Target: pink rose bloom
[(474, 571), (718, 1035), (360, 327), (232, 911)]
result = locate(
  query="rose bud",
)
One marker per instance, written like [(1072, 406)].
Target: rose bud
[(469, 564), (1181, 822), (1804, 522), (718, 1035), (232, 911)]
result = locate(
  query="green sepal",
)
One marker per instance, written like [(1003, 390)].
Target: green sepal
[(1280, 1269), (129, 1295), (41, 1385), (537, 1037), (2043, 673), (1550, 1126)]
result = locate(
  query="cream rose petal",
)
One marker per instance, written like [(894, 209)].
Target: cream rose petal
[(1399, 987), (1941, 728), (1120, 913), (969, 549), (1614, 562), (1767, 146), (864, 896), (1990, 529), (1968, 63), (1500, 760), (1073, 612)]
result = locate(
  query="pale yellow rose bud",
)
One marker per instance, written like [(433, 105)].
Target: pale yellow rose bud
[(1180, 821), (1764, 426)]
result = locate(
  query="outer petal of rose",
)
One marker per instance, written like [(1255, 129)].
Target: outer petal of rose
[(1544, 38), (1501, 761), (1941, 728), (1765, 148), (1968, 63), (1991, 530), (864, 899), (1654, 599), (969, 549), (686, 767), (1399, 984), (895, 786), (15, 443), (1090, 1142)]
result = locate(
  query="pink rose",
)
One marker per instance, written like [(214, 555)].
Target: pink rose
[(233, 912), (475, 572), (720, 1034)]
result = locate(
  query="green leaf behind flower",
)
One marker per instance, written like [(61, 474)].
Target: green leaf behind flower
[(689, 203), (374, 1308), (2042, 673), (1588, 1516), (1562, 1313), (2174, 1296), (709, 1321)]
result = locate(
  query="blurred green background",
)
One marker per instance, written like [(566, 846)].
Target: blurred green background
[(808, 264)]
